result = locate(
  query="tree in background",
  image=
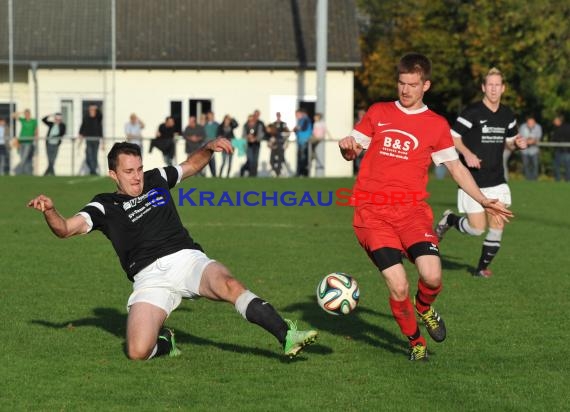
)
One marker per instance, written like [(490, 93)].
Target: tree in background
[(526, 40)]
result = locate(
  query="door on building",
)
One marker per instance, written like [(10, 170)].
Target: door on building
[(199, 107)]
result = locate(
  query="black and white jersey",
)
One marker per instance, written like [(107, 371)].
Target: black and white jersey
[(484, 133), (143, 228)]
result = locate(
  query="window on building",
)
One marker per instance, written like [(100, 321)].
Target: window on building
[(67, 116), (176, 113), (199, 107)]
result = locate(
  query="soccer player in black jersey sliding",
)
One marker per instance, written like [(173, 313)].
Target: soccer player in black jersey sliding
[(480, 134), (158, 254)]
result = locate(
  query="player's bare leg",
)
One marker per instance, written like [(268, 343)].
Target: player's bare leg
[(218, 284), (143, 326), (403, 310), (491, 246)]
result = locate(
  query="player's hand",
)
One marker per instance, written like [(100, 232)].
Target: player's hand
[(497, 209), (41, 203), (220, 144), (472, 161), (520, 142), (349, 148)]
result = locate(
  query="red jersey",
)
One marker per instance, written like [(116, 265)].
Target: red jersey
[(400, 145)]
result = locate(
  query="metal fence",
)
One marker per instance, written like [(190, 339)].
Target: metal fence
[(71, 158)]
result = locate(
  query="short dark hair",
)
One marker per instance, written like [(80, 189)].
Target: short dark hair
[(121, 148), (415, 63)]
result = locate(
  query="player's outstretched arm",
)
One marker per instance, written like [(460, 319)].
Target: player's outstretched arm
[(198, 159), (349, 148), (60, 226), (465, 180), (517, 142)]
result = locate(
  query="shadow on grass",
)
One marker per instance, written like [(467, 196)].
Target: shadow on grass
[(353, 326), (449, 262), (114, 322)]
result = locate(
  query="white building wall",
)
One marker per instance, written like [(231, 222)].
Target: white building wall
[(148, 93)]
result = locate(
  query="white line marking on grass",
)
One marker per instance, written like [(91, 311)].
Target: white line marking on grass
[(89, 179)]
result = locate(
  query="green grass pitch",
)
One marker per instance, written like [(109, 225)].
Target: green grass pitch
[(63, 312)]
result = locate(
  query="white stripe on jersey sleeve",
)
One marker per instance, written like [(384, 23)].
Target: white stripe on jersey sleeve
[(454, 133), (97, 205), (361, 138), (512, 124), (87, 220), (465, 122), (444, 155), (163, 173)]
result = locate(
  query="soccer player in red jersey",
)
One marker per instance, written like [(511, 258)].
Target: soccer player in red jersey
[(391, 216)]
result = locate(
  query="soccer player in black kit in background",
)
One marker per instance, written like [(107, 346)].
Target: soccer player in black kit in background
[(480, 134), (158, 254)]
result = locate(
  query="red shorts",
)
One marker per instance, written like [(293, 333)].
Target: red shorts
[(393, 226)]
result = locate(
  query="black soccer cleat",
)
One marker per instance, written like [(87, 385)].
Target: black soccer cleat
[(434, 324)]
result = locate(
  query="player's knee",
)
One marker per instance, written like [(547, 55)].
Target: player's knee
[(234, 286), (400, 291), (432, 279), (138, 351), (477, 231)]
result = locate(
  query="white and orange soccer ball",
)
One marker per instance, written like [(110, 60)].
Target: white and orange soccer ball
[(338, 293)]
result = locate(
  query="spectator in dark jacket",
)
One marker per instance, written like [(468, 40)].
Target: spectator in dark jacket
[(92, 130), (56, 130)]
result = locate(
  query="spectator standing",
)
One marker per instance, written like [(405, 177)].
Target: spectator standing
[(92, 131), (164, 140), (320, 133), (304, 130), (532, 132), (226, 130), (211, 131), (56, 130), (253, 133), (561, 134), (279, 133), (26, 142), (4, 148), (194, 134), (133, 130)]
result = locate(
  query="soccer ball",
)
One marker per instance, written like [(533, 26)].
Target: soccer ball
[(338, 293)]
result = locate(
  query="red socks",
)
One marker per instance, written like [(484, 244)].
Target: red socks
[(425, 296), (403, 312)]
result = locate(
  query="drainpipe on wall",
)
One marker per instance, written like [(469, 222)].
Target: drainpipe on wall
[(34, 67)]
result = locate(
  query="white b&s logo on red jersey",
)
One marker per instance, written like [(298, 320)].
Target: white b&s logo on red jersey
[(398, 143)]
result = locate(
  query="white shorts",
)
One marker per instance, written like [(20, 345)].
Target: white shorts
[(466, 204), (167, 280)]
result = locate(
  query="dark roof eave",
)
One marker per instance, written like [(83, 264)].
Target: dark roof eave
[(165, 64)]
